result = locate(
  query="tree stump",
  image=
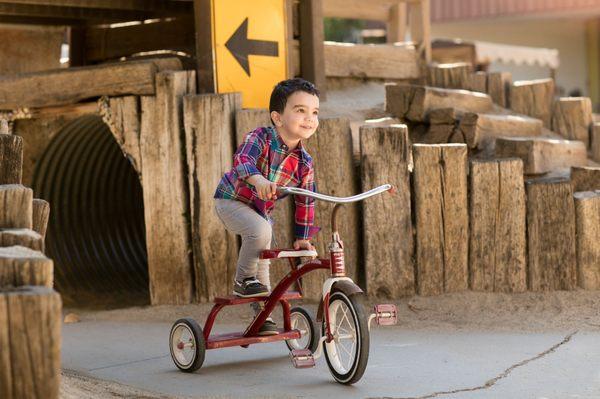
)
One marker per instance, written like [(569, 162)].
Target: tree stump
[(585, 178), (23, 237), (416, 102), (335, 174), (449, 76), (441, 214), (497, 245), (595, 141), (23, 266), (478, 82), (551, 238), (41, 214), (30, 324), (209, 132), (542, 155), (587, 210), (572, 117), (533, 98), (16, 203), (498, 87), (385, 155), (480, 130), (11, 159)]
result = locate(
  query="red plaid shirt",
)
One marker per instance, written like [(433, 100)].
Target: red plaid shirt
[(264, 152)]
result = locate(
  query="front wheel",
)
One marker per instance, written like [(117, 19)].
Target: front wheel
[(187, 346), (348, 353)]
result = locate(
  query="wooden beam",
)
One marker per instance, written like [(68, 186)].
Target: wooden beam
[(23, 20), (103, 43), (77, 40), (312, 52), (67, 86), (96, 14), (171, 7), (396, 26), (205, 72)]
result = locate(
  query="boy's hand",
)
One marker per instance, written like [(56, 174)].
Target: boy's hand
[(303, 244), (265, 189)]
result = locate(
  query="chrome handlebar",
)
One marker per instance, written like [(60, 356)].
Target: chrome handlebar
[(336, 200)]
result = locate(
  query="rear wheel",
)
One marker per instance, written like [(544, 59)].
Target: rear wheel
[(303, 320), (187, 346), (348, 353)]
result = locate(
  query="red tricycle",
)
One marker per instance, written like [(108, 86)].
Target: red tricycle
[(344, 336)]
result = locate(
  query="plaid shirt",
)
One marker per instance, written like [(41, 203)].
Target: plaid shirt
[(264, 152)]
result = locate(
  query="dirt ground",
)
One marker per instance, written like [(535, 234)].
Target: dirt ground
[(564, 311)]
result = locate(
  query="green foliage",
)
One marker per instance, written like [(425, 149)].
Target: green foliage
[(342, 30)]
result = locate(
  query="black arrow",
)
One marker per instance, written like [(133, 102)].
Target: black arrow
[(241, 47)]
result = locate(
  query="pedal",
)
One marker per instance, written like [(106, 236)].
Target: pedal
[(386, 314), (302, 358)]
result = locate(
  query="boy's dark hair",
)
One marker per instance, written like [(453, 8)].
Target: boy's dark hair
[(285, 89)]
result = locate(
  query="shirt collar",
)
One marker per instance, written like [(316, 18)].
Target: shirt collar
[(299, 148)]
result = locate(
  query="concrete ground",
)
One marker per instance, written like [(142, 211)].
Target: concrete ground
[(405, 362)]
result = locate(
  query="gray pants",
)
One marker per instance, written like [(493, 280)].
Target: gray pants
[(256, 233)]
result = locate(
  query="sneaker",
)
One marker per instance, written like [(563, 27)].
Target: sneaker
[(268, 328), (249, 288)]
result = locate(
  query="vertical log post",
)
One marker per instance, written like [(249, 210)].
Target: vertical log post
[(497, 244), (440, 189), (387, 225), (11, 159), (551, 235), (165, 189), (533, 98), (210, 137), (587, 210), (572, 118)]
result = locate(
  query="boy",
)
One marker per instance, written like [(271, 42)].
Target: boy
[(270, 157)]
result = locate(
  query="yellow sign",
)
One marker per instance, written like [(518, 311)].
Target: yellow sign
[(250, 52)]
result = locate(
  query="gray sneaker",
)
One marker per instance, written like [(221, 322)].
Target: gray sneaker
[(268, 328), (249, 288)]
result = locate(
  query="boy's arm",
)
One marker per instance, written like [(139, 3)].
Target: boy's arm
[(305, 212)]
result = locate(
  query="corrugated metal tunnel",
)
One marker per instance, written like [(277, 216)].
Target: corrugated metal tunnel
[(96, 233)]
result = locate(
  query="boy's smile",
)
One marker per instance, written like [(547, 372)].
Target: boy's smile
[(299, 120)]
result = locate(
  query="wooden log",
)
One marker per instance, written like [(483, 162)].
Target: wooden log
[(165, 187), (533, 98), (497, 244), (210, 135), (416, 102), (22, 237), (385, 155), (248, 119), (394, 61), (11, 159), (67, 86), (595, 141), (498, 87), (551, 239), (335, 174), (542, 155), (122, 116), (24, 266), (481, 130), (444, 116), (478, 82), (438, 134), (15, 206), (30, 324), (41, 215), (587, 211), (441, 215), (449, 76), (572, 118), (585, 178)]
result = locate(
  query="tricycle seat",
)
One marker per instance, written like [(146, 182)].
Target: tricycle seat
[(287, 253)]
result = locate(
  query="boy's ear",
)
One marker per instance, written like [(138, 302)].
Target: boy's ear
[(276, 118)]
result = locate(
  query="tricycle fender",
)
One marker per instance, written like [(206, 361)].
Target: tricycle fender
[(344, 284)]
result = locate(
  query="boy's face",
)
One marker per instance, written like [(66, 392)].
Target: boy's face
[(300, 117)]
